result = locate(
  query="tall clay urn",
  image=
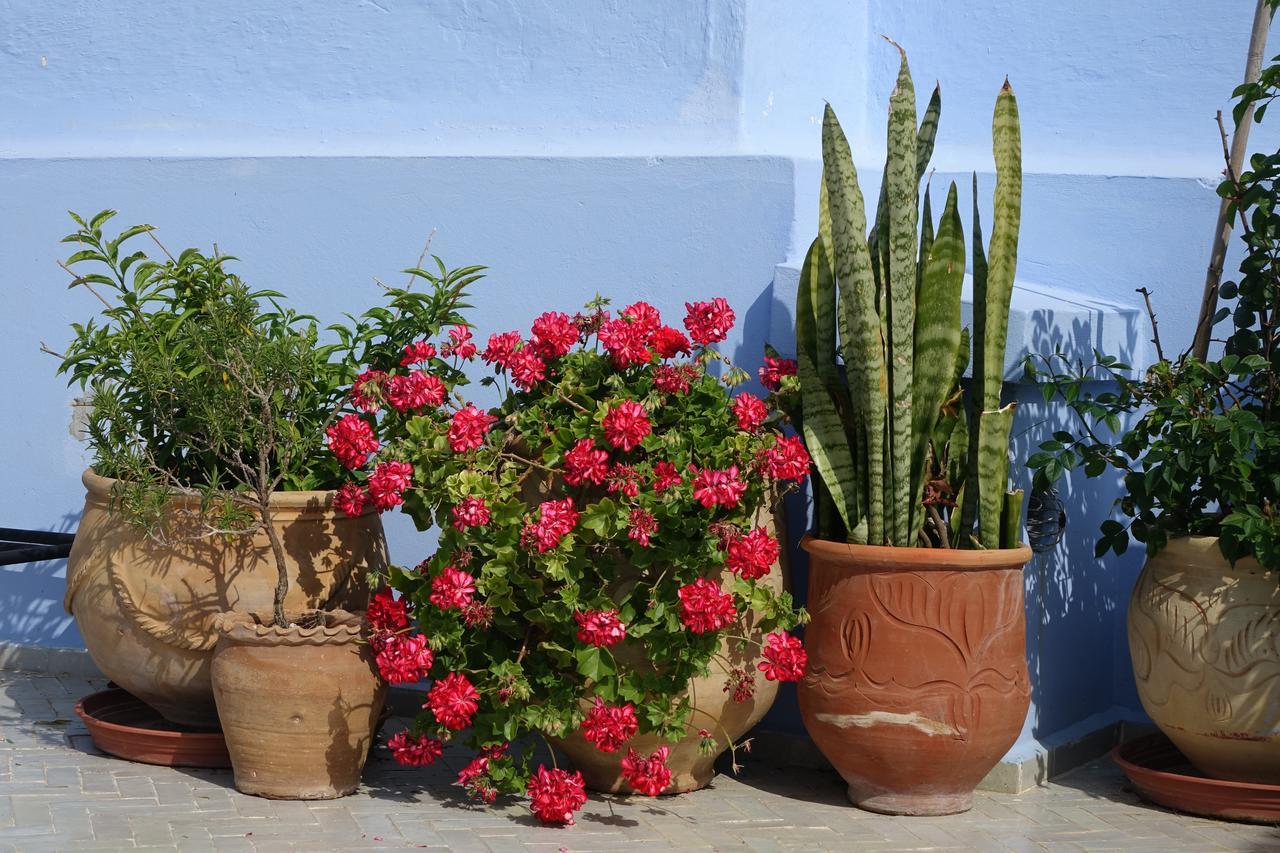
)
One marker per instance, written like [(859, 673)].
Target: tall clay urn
[(1204, 636), (146, 608), (917, 682)]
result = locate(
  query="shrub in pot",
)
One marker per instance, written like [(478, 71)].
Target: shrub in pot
[(1200, 490), (175, 366), (917, 681), (607, 570)]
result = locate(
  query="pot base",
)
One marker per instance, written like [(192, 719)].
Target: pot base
[(124, 726), (915, 805)]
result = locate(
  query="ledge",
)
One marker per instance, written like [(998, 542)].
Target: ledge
[(1042, 320)]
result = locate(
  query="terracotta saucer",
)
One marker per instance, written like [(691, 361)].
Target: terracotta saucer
[(124, 726), (1160, 773)]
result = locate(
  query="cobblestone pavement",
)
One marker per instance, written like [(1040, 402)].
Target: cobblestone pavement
[(58, 793)]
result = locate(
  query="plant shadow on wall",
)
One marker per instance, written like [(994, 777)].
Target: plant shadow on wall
[(1075, 602)]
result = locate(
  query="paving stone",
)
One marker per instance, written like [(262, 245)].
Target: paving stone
[(59, 793)]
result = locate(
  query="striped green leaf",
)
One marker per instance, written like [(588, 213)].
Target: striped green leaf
[(1011, 523), (862, 344), (903, 221), (1003, 253), (993, 471), (937, 339), (969, 508)]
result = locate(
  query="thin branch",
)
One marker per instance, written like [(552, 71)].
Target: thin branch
[(1155, 328)]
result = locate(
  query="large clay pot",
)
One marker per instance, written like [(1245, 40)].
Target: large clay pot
[(146, 610), (298, 705), (917, 682), (1205, 641), (714, 710)]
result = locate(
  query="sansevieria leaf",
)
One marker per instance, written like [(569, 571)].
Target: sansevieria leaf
[(862, 346)]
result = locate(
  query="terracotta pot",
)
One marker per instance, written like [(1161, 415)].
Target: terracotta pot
[(299, 706), (917, 683), (714, 710), (1205, 641), (146, 610)]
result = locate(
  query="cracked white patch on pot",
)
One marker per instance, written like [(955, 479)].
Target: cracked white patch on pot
[(888, 718)]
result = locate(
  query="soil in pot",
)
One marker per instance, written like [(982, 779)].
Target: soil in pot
[(917, 683), (299, 705)]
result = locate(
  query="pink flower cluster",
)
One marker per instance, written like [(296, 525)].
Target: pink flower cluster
[(556, 519), (705, 607)]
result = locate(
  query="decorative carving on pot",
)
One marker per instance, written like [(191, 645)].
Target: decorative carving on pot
[(146, 610), (1204, 637), (917, 681), (298, 706)]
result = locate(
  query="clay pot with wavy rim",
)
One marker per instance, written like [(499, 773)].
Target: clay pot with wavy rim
[(715, 710), (298, 706), (146, 610), (1204, 637), (917, 682)]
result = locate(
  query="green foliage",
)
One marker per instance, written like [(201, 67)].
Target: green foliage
[(518, 642), (894, 434), (201, 385), (1203, 456)]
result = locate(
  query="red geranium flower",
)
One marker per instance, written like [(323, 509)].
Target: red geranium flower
[(526, 369), (608, 727), (644, 315), (668, 342), (665, 476), (386, 612), (388, 482), (352, 440), (460, 344), (471, 511), (417, 353), (555, 795), (750, 411), (414, 751), (453, 700), (554, 334), (366, 389), (414, 391), (649, 776), (468, 428), (452, 588), (643, 526), (709, 322), (402, 658), (623, 478), (350, 500), (674, 378), (784, 658), (786, 460), (718, 488), (585, 463), (555, 521), (705, 607), (501, 348), (753, 555), (773, 369), (600, 627), (626, 342), (626, 425)]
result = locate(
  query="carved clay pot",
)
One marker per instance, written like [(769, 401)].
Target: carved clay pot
[(917, 682), (146, 610), (1205, 641), (714, 710), (298, 705)]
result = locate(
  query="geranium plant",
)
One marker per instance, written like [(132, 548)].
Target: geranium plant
[(604, 532)]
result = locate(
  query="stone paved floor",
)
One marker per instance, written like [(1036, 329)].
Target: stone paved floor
[(58, 793)]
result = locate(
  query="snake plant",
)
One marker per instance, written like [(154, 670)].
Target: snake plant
[(907, 452)]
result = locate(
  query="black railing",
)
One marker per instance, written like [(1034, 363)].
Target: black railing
[(31, 546)]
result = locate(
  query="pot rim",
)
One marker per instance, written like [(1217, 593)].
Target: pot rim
[(254, 629), (318, 502), (896, 558)]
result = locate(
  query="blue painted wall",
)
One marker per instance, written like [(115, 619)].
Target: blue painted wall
[(655, 149)]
